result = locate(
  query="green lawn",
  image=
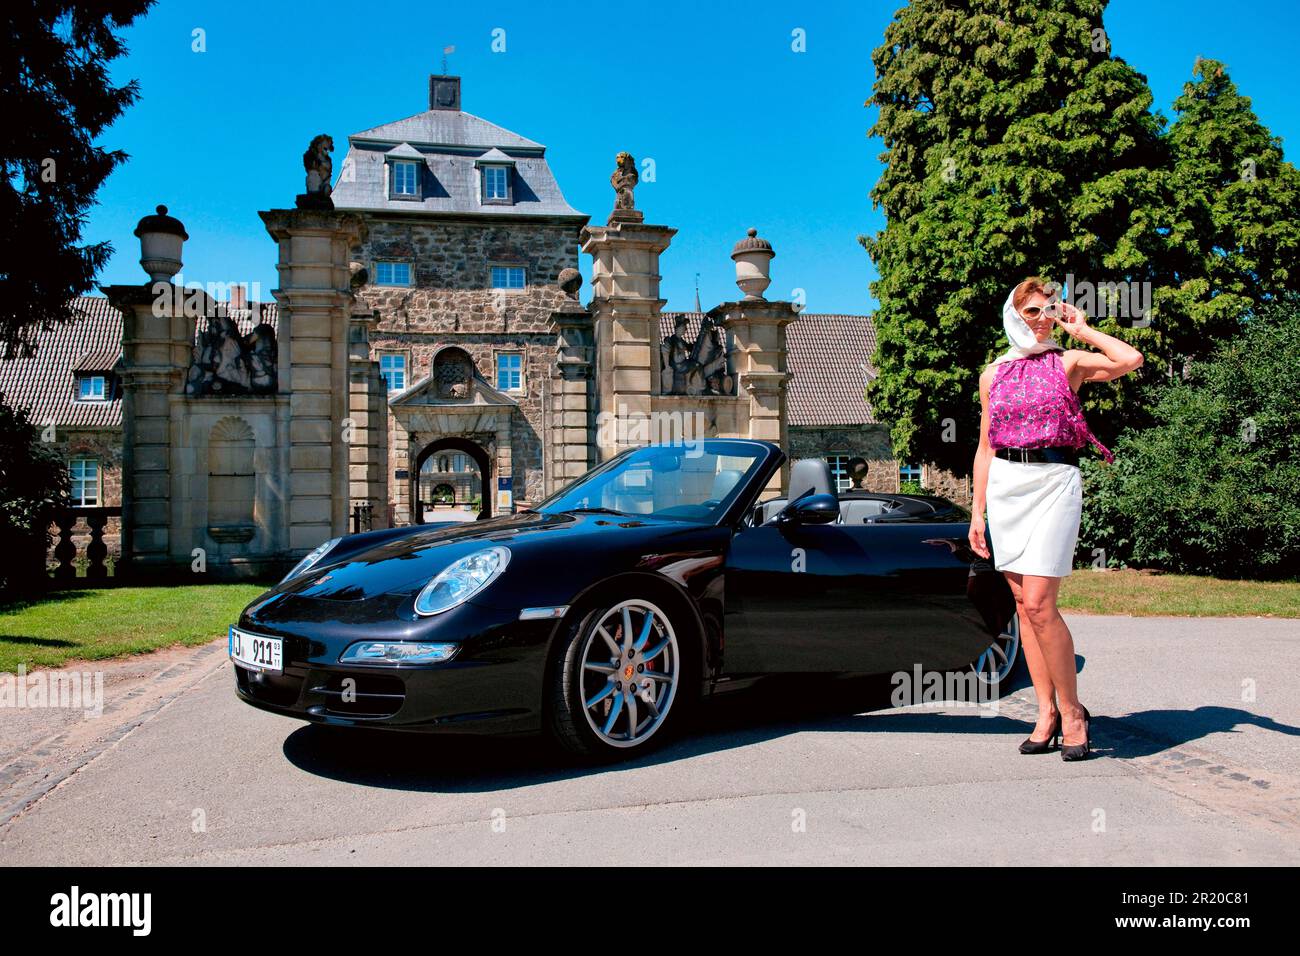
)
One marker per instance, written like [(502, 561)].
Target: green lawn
[(94, 624), (1136, 593)]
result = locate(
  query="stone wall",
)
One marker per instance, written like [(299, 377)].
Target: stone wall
[(105, 445), (872, 442), (450, 302)]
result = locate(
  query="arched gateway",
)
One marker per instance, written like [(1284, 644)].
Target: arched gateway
[(450, 473), (451, 412)]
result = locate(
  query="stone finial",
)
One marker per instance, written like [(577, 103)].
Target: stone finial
[(161, 238), (358, 276), (570, 281), (320, 172), (753, 257), (624, 180)]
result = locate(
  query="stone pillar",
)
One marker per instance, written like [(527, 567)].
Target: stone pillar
[(625, 310), (158, 322), (368, 410), (758, 329), (315, 300), (570, 441)]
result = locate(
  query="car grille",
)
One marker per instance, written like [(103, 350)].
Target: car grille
[(371, 695)]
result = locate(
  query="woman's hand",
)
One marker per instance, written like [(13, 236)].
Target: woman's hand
[(976, 536), (1073, 321)]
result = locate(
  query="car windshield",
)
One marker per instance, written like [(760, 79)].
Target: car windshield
[(692, 483)]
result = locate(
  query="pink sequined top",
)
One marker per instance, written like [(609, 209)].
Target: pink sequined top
[(1031, 405)]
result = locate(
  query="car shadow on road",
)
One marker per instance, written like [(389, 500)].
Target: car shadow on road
[(774, 709), (472, 764)]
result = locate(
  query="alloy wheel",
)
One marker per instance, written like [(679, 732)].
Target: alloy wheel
[(999, 658), (630, 669)]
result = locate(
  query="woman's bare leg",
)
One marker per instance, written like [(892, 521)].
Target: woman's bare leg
[(1038, 596), (1044, 688)]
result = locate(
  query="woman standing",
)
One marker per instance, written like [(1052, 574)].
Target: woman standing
[(1027, 474)]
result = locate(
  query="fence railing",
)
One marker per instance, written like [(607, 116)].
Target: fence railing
[(363, 516), (96, 551)]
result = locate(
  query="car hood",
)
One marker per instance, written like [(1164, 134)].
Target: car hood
[(400, 568)]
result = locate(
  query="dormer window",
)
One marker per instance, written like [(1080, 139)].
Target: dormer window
[(92, 388), (496, 183), (405, 166), (496, 172), (406, 179)]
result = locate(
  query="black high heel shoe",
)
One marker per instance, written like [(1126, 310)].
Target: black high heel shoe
[(1079, 751), (1032, 746)]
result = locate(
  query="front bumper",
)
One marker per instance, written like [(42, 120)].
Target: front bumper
[(494, 683)]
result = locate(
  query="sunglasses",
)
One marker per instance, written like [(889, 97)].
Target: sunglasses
[(1033, 312)]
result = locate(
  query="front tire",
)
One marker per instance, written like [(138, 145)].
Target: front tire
[(619, 685)]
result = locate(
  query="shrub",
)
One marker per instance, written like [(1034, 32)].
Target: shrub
[(33, 486), (1213, 486)]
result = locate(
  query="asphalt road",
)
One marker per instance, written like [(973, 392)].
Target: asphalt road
[(177, 771)]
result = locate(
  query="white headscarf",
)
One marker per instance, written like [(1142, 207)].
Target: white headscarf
[(1023, 341)]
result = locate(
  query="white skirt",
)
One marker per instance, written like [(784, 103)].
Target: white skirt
[(1033, 516)]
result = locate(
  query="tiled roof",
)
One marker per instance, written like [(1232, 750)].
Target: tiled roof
[(829, 358), (45, 384)]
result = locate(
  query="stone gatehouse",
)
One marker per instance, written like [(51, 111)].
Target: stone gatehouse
[(428, 356)]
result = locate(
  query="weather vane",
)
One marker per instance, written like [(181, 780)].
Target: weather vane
[(445, 51)]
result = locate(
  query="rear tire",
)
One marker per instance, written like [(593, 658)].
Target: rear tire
[(1002, 663), (622, 679)]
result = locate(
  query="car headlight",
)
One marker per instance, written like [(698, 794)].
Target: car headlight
[(312, 559), (461, 580), (397, 652)]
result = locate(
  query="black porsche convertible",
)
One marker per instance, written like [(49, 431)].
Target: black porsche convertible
[(601, 616)]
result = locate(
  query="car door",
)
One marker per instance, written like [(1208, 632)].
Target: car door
[(866, 598)]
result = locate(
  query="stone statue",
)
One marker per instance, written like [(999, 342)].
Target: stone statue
[(320, 171), (319, 165), (857, 469), (226, 363), (624, 180), (263, 359), (699, 367)]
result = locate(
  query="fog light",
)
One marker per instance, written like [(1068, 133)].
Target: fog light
[(397, 652)]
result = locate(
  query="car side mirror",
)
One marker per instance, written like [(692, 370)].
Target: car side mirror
[(815, 509)]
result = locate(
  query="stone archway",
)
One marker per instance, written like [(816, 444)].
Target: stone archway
[(478, 455)]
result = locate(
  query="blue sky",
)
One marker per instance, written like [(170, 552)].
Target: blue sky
[(743, 131)]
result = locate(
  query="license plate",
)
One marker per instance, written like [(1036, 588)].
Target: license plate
[(255, 652)]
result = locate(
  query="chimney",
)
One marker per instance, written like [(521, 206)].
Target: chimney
[(238, 297), (444, 92)]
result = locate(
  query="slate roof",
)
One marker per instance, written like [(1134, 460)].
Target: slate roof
[(829, 358), (45, 384), (450, 142)]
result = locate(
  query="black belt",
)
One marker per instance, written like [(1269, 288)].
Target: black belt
[(1056, 455)]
